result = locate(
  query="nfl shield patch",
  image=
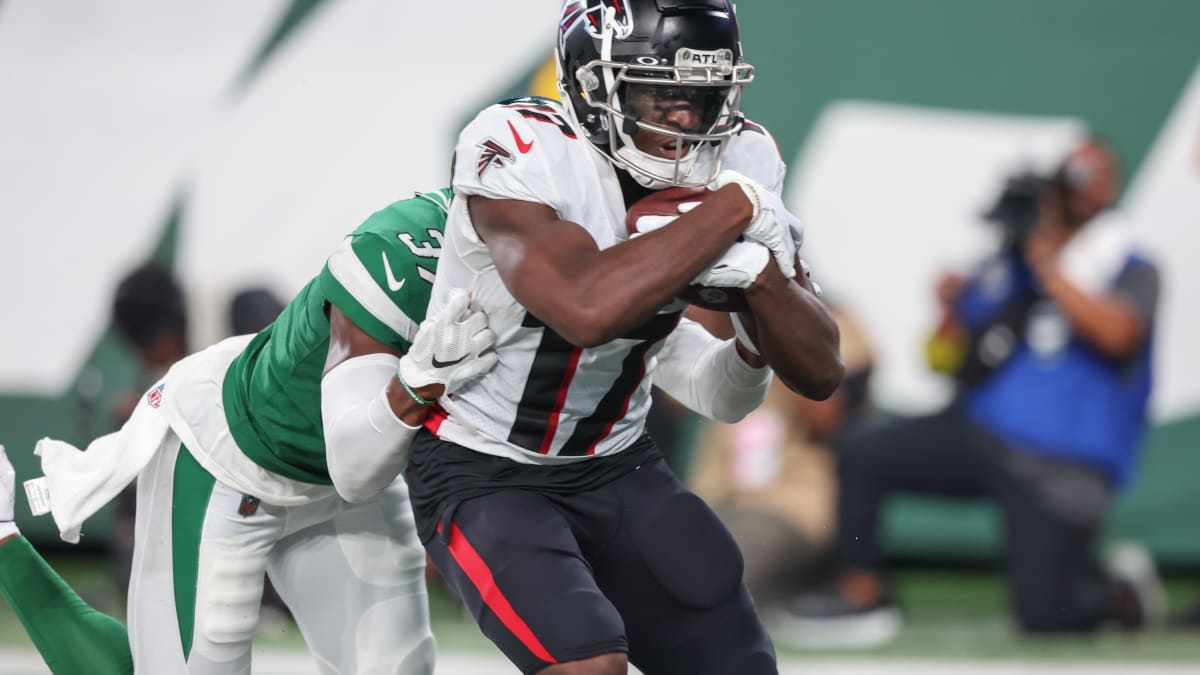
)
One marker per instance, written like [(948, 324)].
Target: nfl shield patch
[(248, 507), (154, 398)]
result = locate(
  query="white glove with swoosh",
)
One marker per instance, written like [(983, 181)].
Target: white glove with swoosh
[(451, 348)]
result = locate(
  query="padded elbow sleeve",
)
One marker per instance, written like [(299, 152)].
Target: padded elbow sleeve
[(366, 445), (708, 376)]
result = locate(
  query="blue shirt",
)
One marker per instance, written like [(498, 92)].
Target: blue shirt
[(1055, 395)]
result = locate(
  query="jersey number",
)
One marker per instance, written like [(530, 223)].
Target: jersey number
[(428, 249), (550, 376), (533, 108)]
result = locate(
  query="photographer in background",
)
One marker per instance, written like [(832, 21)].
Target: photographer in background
[(1050, 341)]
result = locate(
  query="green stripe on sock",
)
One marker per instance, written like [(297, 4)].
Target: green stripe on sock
[(189, 502)]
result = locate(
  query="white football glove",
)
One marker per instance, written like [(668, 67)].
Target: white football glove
[(771, 225), (738, 267), (451, 348), (8, 479)]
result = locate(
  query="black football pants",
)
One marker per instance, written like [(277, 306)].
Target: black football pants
[(639, 565)]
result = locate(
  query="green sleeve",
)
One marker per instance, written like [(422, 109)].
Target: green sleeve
[(381, 277), (381, 286), (73, 638)]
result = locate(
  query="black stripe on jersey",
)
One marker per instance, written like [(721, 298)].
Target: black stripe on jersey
[(593, 428), (551, 367)]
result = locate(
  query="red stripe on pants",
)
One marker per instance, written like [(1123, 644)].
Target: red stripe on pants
[(477, 571)]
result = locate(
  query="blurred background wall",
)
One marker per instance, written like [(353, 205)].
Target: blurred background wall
[(239, 141)]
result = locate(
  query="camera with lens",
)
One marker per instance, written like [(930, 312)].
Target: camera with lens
[(1017, 208)]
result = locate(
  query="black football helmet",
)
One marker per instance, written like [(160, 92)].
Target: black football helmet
[(623, 64)]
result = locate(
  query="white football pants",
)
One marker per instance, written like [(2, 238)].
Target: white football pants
[(353, 576)]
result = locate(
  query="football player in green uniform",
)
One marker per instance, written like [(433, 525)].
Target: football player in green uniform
[(276, 453)]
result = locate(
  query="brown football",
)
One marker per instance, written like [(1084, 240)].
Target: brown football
[(666, 203)]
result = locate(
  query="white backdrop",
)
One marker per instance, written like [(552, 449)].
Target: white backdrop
[(111, 108)]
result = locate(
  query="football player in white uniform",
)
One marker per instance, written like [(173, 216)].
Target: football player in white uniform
[(76, 639), (536, 491)]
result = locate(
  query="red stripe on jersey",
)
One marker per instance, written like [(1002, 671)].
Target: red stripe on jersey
[(624, 409), (437, 415), (548, 439), (481, 576), (629, 397)]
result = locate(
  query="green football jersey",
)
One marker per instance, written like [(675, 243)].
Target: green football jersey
[(380, 278)]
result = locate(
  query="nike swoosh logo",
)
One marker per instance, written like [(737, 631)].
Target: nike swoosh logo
[(444, 364), (393, 285), (522, 146)]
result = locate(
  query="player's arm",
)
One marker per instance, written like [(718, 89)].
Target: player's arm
[(347, 342), (72, 637), (591, 296), (374, 397), (368, 418), (716, 378), (794, 332)]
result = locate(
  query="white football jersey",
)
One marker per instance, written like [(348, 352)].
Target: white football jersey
[(547, 401)]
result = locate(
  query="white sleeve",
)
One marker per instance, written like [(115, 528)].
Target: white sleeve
[(755, 154), (366, 445), (503, 155), (708, 376)]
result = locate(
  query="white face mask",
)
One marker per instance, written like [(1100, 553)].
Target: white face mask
[(696, 70), (656, 173)]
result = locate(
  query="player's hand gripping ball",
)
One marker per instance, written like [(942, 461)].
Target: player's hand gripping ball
[(719, 288)]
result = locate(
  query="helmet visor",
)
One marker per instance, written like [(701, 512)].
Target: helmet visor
[(686, 108)]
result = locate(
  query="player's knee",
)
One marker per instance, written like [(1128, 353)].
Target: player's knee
[(606, 664), (228, 602)]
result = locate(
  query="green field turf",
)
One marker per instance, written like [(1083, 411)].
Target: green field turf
[(951, 615)]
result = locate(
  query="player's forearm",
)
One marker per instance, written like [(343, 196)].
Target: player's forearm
[(366, 442), (612, 291), (796, 334)]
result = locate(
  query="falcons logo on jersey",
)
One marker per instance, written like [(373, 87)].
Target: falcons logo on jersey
[(493, 154)]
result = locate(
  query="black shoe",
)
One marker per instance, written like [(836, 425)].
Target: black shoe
[(829, 619)]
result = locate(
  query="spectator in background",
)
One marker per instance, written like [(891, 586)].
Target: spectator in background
[(149, 312), (150, 315), (252, 310), (770, 478), (1055, 333)]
